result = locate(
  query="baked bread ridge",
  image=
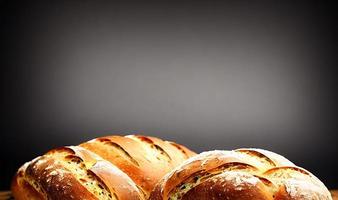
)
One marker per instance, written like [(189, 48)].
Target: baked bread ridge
[(73, 173), (241, 174), (145, 159), (111, 167)]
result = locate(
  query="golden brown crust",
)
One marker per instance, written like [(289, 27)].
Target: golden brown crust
[(145, 159), (53, 180), (56, 181), (241, 174), (119, 184), (21, 189), (222, 187), (112, 167)]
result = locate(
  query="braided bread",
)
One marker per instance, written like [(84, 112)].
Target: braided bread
[(112, 167), (242, 174)]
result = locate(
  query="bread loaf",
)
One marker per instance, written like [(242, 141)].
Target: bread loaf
[(242, 174), (112, 167)]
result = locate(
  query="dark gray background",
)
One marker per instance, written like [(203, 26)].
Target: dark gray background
[(209, 75)]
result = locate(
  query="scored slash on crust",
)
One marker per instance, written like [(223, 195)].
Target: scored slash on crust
[(242, 174), (111, 167)]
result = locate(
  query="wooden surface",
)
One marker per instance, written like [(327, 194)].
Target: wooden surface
[(6, 195)]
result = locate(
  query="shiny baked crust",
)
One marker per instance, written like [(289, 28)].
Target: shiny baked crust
[(145, 159), (112, 167), (242, 174)]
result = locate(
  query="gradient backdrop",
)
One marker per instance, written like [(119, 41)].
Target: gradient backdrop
[(210, 75)]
